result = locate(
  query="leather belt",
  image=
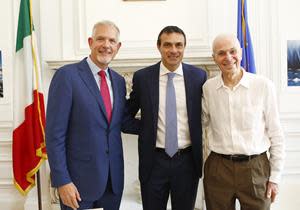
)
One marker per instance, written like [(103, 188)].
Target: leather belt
[(238, 158), (179, 151)]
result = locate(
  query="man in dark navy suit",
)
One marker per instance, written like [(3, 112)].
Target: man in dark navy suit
[(170, 140), (85, 114)]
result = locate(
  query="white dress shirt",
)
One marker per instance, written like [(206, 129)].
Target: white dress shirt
[(95, 69), (183, 131), (244, 120)]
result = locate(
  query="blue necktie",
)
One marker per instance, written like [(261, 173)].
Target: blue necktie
[(171, 141)]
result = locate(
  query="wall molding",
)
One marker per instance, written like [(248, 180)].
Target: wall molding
[(6, 128), (5, 158), (129, 65), (6, 183), (6, 124), (140, 48)]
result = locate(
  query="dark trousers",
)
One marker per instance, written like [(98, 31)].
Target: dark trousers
[(225, 181), (174, 176), (108, 201)]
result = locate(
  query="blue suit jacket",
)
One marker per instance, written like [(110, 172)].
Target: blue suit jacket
[(145, 96), (82, 147)]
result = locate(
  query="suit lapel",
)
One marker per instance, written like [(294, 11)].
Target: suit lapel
[(153, 84), (188, 82), (89, 80), (116, 94)]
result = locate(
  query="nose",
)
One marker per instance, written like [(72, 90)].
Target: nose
[(106, 43), (228, 56), (173, 49)]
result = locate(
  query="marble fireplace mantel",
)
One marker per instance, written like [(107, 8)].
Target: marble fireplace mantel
[(131, 65)]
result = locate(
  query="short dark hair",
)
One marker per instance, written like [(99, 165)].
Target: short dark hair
[(169, 30)]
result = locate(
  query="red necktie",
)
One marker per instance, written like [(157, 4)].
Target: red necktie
[(105, 94)]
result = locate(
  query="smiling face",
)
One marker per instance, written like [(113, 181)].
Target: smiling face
[(171, 48), (227, 54), (104, 45)]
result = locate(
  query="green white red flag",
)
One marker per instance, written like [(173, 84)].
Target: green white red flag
[(29, 149)]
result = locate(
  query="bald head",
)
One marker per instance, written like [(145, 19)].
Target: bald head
[(227, 53), (223, 39)]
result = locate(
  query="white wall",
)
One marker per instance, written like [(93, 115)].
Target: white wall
[(289, 103), (140, 23), (63, 28)]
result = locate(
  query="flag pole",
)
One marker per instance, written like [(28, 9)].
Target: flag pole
[(39, 190), (28, 95)]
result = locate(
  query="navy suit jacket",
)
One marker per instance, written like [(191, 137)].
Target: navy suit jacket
[(145, 96), (82, 146)]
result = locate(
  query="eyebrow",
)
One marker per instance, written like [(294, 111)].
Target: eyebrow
[(225, 50), (173, 42)]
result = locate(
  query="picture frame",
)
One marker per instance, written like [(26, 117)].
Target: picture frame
[(293, 62), (1, 77)]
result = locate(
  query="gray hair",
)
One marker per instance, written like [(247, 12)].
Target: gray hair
[(106, 23)]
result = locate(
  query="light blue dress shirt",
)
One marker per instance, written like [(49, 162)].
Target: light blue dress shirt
[(95, 69)]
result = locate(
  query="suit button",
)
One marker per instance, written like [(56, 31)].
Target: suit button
[(107, 151)]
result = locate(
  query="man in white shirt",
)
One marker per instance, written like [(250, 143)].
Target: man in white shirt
[(242, 121)]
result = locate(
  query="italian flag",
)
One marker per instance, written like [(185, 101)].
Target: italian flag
[(29, 150)]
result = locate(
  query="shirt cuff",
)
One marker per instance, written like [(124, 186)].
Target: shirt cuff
[(275, 177)]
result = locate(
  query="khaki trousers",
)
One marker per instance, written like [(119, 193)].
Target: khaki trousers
[(226, 180)]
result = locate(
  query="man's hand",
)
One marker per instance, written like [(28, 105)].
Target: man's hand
[(272, 190), (69, 195)]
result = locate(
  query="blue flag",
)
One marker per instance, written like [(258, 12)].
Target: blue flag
[(244, 37)]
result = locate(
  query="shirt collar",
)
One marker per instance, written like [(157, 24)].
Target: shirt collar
[(220, 82), (164, 70), (243, 82), (94, 68)]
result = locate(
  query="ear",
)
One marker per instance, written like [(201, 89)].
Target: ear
[(158, 47), (119, 45), (213, 56), (90, 41), (240, 53)]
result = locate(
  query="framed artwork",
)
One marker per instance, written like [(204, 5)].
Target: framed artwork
[(1, 76), (293, 62)]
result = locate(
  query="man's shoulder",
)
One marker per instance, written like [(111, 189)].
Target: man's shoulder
[(194, 69), (148, 69), (69, 71), (211, 84), (191, 67), (72, 66), (212, 81), (116, 74), (259, 80)]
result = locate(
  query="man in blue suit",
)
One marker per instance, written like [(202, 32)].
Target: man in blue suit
[(170, 138), (85, 114)]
